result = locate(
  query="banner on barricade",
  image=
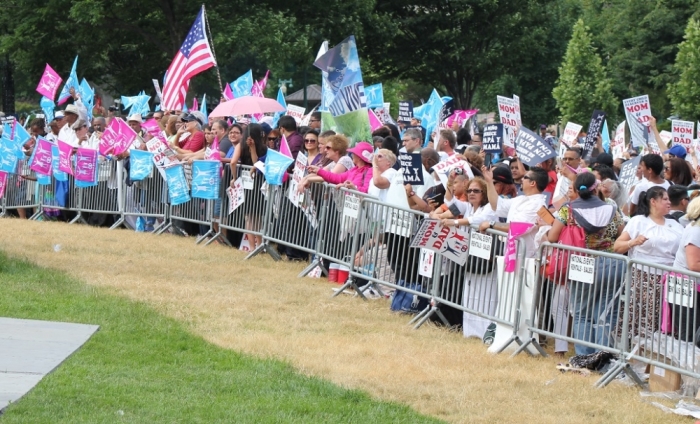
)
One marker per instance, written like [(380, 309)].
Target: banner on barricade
[(3, 183), (276, 165), (41, 157), (571, 133), (594, 129), (163, 155), (618, 144), (55, 162), (205, 179), (177, 185), (628, 173), (480, 245), (65, 151), (682, 133), (412, 168), (236, 195), (581, 268), (85, 165), (492, 138), (450, 242), (531, 149), (140, 165), (427, 262), (117, 138), (299, 172), (516, 230), (405, 111), (638, 114)]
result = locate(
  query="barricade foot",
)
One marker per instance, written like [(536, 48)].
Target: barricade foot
[(77, 218), (203, 237), (36, 215), (164, 227), (613, 372), (434, 310), (314, 264), (264, 247), (117, 224), (349, 284), (419, 315), (523, 348), (218, 235)]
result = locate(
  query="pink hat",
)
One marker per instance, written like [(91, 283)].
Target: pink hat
[(364, 150)]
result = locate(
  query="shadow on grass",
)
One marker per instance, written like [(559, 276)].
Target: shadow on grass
[(143, 367)]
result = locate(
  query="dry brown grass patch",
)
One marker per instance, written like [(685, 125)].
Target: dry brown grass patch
[(261, 308)]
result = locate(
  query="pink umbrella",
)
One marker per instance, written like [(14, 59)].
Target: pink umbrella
[(247, 105)]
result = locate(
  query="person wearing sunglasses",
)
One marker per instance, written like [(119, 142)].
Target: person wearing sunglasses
[(311, 147), (383, 173), (273, 140)]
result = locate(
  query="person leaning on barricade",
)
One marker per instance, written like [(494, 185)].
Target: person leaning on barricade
[(651, 237), (337, 161), (688, 259), (602, 223), (357, 178), (189, 137), (475, 210), (383, 173), (323, 148)]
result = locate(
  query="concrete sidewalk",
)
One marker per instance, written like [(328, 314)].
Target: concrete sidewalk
[(31, 349)]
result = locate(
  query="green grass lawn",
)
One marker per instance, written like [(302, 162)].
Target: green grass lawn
[(142, 367)]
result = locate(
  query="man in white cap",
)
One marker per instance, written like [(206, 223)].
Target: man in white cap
[(55, 127)]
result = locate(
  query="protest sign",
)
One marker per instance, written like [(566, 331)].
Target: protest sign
[(628, 172), (163, 156), (594, 128), (65, 151), (85, 169), (299, 172), (509, 114), (460, 117), (236, 195), (605, 135), (140, 165), (156, 85), (480, 245), (451, 242), (276, 165), (651, 142), (178, 191), (444, 168), (682, 133), (516, 230), (405, 111), (412, 168), (49, 83), (637, 110), (427, 260), (446, 110), (618, 144), (41, 158), (532, 150), (151, 127), (296, 112), (206, 179), (492, 138), (3, 183), (117, 138), (571, 133)]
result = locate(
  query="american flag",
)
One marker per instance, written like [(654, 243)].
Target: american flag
[(194, 56)]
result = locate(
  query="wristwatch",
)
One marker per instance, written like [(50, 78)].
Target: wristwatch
[(491, 224), (456, 222)]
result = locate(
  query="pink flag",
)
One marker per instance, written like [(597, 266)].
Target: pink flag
[(259, 86), (65, 151), (42, 157), (195, 104), (3, 183), (85, 160), (212, 152), (49, 82), (151, 127), (374, 121), (228, 94), (284, 148), (461, 116), (117, 138), (517, 229)]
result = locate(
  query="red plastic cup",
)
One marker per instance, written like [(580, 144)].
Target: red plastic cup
[(333, 273)]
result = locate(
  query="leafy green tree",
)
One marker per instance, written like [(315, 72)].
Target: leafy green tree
[(685, 92), (583, 84)]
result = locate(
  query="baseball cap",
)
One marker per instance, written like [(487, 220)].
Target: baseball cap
[(677, 151), (502, 174)]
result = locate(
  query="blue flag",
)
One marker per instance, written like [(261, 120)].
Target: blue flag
[(243, 85), (177, 185), (57, 174), (140, 164), (206, 179), (605, 133), (281, 100), (276, 165), (21, 136), (71, 82), (375, 95), (48, 106), (344, 77), (138, 104), (87, 95), (431, 114), (9, 154), (203, 108)]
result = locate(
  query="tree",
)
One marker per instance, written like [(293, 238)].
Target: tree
[(456, 45), (583, 84), (685, 92)]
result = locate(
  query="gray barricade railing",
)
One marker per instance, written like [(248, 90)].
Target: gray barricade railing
[(196, 211), (102, 198), (20, 190), (381, 254), (590, 287), (147, 198), (663, 305)]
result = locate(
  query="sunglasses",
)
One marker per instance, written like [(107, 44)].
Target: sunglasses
[(565, 159), (525, 177), (474, 190), (309, 140), (271, 138)]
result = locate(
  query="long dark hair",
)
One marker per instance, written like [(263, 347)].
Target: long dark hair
[(680, 172), (585, 185), (255, 132), (644, 206)]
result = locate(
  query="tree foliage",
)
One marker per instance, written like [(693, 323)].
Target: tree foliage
[(684, 94), (583, 84)]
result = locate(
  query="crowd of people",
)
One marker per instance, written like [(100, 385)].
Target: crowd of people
[(654, 221)]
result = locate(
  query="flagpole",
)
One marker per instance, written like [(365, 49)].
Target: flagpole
[(211, 43)]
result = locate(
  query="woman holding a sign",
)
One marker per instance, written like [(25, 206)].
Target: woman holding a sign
[(589, 300)]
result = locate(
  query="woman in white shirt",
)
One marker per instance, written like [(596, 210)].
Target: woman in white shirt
[(480, 288), (382, 174), (650, 237)]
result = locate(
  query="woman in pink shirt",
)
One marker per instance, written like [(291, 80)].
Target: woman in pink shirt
[(357, 178)]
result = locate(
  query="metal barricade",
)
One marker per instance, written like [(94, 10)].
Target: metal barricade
[(20, 190), (147, 198), (662, 318), (587, 285), (381, 255), (57, 196), (102, 198), (196, 211)]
